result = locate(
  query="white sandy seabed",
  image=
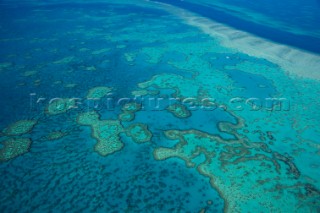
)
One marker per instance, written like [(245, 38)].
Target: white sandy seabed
[(295, 61)]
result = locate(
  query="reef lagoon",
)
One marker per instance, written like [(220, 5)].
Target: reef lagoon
[(160, 106)]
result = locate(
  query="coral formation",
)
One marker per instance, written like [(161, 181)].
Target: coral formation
[(106, 132), (132, 107), (55, 135), (126, 116), (14, 147), (59, 106), (128, 111), (98, 92), (20, 127), (179, 110), (139, 133)]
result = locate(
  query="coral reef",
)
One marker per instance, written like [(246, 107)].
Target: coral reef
[(131, 107), (128, 111), (14, 147), (20, 127), (56, 135), (106, 132), (59, 106), (98, 92), (179, 110), (126, 116), (139, 133)]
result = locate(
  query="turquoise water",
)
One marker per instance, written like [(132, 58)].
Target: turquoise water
[(159, 106)]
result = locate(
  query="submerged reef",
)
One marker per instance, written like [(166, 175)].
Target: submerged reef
[(65, 60), (179, 110), (128, 111), (126, 116), (139, 133), (106, 132), (59, 106), (29, 73), (55, 135), (14, 147), (144, 92), (5, 65), (132, 107), (98, 92), (20, 127)]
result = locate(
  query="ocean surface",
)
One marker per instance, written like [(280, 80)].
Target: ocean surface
[(160, 106)]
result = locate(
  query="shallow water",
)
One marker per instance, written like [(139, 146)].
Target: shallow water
[(226, 115)]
